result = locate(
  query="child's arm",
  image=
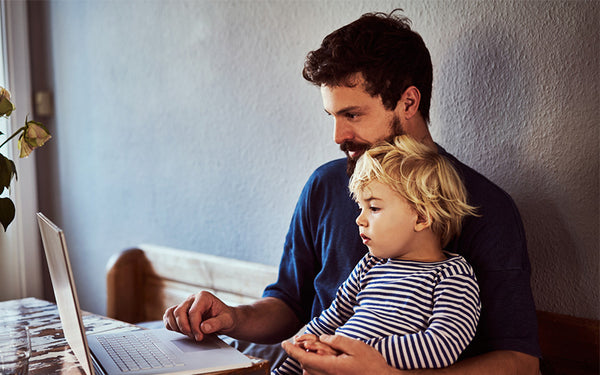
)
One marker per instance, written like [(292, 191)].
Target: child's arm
[(451, 328), (342, 307), (335, 316)]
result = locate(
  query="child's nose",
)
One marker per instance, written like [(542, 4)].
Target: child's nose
[(360, 220)]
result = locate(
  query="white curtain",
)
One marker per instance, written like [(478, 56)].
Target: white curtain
[(20, 255)]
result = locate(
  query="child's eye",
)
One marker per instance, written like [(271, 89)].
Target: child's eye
[(374, 209)]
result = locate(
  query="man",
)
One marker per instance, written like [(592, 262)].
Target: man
[(375, 77)]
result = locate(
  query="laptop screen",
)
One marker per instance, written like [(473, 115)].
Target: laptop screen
[(55, 247)]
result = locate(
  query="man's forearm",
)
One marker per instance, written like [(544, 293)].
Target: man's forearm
[(267, 321), (501, 362)]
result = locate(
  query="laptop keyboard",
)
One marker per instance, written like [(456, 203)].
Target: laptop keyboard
[(138, 352)]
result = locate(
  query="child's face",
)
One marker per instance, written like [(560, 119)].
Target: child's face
[(387, 223)]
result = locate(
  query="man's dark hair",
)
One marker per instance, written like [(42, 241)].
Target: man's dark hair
[(383, 48)]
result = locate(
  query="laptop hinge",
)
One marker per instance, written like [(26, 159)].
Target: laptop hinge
[(97, 368)]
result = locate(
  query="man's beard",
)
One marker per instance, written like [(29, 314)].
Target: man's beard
[(348, 146)]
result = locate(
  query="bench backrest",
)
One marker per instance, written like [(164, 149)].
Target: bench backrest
[(142, 282)]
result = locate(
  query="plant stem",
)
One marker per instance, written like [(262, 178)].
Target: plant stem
[(12, 136)]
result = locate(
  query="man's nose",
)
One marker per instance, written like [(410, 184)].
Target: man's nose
[(341, 132)]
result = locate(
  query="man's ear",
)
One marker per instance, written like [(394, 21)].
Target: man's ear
[(408, 105)]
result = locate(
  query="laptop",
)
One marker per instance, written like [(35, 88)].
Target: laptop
[(156, 351)]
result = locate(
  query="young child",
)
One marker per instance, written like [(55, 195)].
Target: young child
[(416, 304)]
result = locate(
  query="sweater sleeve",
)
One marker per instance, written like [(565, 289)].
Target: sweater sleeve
[(452, 325), (342, 307), (335, 316)]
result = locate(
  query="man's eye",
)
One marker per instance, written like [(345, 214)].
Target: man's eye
[(351, 115)]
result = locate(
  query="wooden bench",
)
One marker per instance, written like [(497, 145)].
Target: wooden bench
[(570, 345), (142, 282)]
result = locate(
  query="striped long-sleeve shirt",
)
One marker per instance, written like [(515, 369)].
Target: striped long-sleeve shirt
[(416, 314)]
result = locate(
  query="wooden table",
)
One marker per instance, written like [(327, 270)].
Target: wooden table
[(51, 353)]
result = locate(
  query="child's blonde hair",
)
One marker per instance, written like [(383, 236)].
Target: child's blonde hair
[(426, 179)]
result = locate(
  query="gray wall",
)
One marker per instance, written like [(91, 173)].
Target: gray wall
[(188, 124)]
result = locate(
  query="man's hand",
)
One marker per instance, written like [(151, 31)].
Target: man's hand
[(359, 358), (200, 314), (266, 321), (356, 358)]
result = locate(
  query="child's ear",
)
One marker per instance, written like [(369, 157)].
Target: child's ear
[(423, 222)]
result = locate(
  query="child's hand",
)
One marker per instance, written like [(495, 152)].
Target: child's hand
[(302, 340), (311, 343)]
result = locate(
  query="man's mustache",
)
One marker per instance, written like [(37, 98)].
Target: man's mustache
[(349, 146)]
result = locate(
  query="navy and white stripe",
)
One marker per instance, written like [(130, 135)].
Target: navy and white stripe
[(417, 315)]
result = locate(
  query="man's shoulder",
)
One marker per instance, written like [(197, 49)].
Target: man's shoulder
[(495, 238), (330, 173), (480, 188), (332, 168), (328, 184)]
